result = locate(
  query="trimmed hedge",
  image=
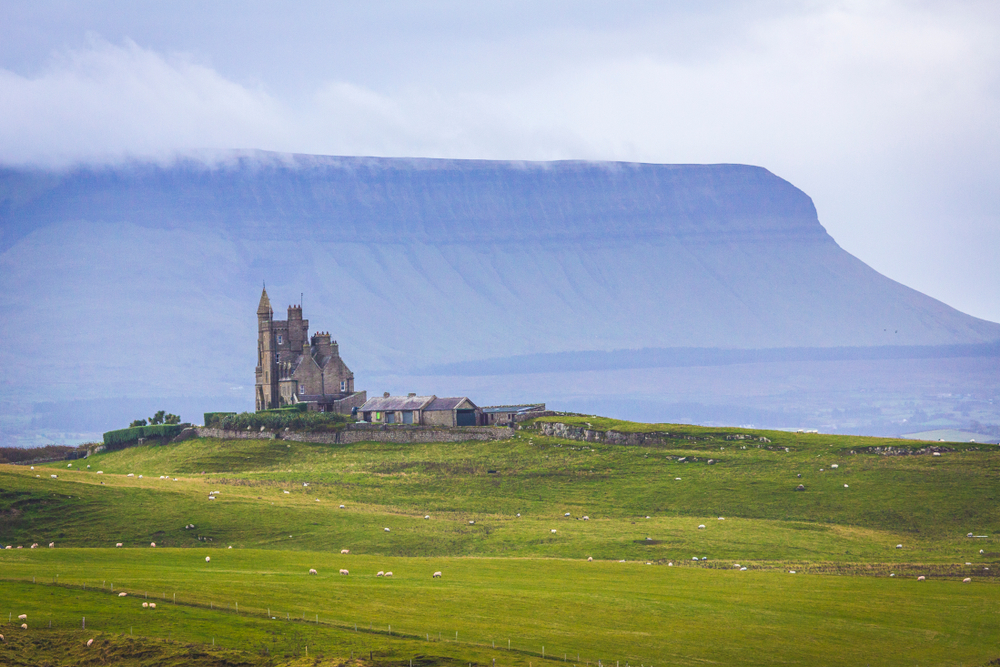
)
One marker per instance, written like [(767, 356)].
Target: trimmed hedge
[(275, 420), (212, 417), (125, 436)]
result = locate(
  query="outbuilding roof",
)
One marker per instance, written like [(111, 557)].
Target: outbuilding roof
[(389, 403), (451, 403)]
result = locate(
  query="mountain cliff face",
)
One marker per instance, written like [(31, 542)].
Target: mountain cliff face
[(142, 279)]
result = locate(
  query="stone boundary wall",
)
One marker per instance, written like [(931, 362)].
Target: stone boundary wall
[(569, 432), (380, 433)]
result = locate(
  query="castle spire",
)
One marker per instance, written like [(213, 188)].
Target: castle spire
[(265, 304)]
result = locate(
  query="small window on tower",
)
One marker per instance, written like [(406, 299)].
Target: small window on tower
[(280, 340), (302, 389), (343, 385)]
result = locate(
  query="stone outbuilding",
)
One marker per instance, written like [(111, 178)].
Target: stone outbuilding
[(421, 410), (510, 414)]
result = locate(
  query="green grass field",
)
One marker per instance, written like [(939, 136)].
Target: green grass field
[(508, 577)]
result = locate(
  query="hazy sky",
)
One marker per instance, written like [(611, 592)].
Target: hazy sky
[(886, 113)]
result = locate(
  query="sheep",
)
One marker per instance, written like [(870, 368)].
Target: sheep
[(835, 466), (152, 544), (208, 559), (518, 514), (145, 605), (921, 578), (22, 617), (743, 569), (152, 605), (130, 475), (791, 572), (34, 546), (388, 574), (722, 518), (553, 530), (471, 522), (701, 526), (211, 497), (90, 642), (344, 572), (313, 571), (380, 573), (342, 507), (566, 514), (590, 559), (437, 575), (52, 545), (24, 626), (1, 638), (8, 547), (118, 544), (122, 594), (345, 551), (100, 472), (967, 580), (427, 516), (694, 558), (586, 518), (937, 454), (54, 476), (899, 546), (981, 551), (386, 529), (286, 491)]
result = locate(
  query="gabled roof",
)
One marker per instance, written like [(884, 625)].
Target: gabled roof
[(265, 304), (388, 403), (451, 403)]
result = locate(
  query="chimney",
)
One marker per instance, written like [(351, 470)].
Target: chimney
[(385, 394), (411, 394)]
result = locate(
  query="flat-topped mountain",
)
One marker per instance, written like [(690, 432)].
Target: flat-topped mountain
[(142, 279)]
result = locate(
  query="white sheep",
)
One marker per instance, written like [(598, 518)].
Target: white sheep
[(722, 518), (100, 472), (590, 559), (22, 617), (701, 526), (54, 476), (122, 594), (211, 497), (380, 573), (899, 546), (437, 575), (286, 491), (145, 605), (313, 571), (208, 559), (345, 551), (130, 475), (845, 486), (967, 580), (344, 572), (34, 546), (52, 545), (152, 605), (152, 544), (566, 514), (791, 572), (427, 516), (471, 522), (342, 507), (388, 574), (24, 626), (743, 569), (835, 466), (119, 544), (586, 518), (553, 530), (90, 642), (1, 638), (921, 578), (386, 530)]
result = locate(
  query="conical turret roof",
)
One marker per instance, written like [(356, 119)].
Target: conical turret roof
[(265, 304)]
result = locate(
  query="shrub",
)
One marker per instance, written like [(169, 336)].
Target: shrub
[(275, 420), (126, 436), (212, 418)]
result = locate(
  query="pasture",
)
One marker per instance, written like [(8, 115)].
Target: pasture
[(492, 509)]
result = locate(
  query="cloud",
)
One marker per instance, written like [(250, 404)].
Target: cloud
[(884, 112)]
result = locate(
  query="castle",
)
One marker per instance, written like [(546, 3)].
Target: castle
[(294, 368)]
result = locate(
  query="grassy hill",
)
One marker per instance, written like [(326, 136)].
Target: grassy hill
[(491, 511)]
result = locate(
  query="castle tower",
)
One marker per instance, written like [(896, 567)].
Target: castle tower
[(267, 356)]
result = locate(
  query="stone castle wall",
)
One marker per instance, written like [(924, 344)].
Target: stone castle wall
[(371, 433)]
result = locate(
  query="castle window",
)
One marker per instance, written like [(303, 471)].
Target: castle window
[(280, 341), (302, 389), (343, 385)]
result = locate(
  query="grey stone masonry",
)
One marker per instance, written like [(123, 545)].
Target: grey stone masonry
[(371, 433)]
